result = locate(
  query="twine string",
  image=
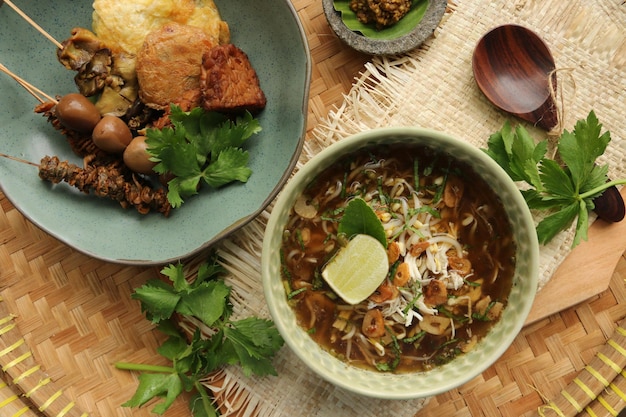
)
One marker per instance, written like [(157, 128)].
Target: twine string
[(557, 96)]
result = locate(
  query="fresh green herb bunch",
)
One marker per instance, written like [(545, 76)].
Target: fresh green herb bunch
[(250, 342), (201, 146), (566, 190)]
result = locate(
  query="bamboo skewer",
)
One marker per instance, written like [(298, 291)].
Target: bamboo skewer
[(33, 23), (34, 91), (15, 158)]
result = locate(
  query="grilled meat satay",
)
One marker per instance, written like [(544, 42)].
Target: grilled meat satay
[(107, 182)]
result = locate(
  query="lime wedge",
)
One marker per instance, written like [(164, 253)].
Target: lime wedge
[(357, 269)]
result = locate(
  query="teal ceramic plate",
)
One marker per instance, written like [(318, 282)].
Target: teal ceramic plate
[(276, 45)]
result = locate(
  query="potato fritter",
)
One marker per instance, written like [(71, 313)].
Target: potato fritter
[(169, 64)]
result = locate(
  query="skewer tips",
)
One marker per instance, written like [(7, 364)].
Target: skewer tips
[(32, 22)]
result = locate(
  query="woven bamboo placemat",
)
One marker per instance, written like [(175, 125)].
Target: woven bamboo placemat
[(74, 318)]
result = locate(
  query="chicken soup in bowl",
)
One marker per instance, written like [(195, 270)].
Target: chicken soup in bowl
[(400, 262)]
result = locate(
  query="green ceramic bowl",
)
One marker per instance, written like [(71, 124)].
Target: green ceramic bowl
[(464, 367), (275, 42)]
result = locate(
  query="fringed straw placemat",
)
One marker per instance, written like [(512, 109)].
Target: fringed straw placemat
[(433, 87), (75, 316)]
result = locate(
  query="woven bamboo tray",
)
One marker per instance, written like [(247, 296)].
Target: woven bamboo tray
[(66, 318)]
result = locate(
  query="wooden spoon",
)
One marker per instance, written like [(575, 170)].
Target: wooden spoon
[(512, 67)]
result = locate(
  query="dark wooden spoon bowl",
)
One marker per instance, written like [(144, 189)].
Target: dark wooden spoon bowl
[(512, 66)]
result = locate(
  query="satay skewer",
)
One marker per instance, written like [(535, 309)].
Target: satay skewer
[(34, 91), (102, 181), (32, 23)]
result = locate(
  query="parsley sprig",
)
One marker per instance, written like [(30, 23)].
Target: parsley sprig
[(250, 342), (566, 190), (201, 147)]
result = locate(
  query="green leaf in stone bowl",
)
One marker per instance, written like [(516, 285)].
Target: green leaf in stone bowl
[(401, 28)]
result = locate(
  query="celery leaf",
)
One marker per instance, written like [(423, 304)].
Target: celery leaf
[(565, 190), (250, 342)]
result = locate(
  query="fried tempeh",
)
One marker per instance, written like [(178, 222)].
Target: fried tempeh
[(229, 83)]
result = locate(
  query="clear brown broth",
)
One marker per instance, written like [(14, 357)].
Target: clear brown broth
[(310, 243)]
